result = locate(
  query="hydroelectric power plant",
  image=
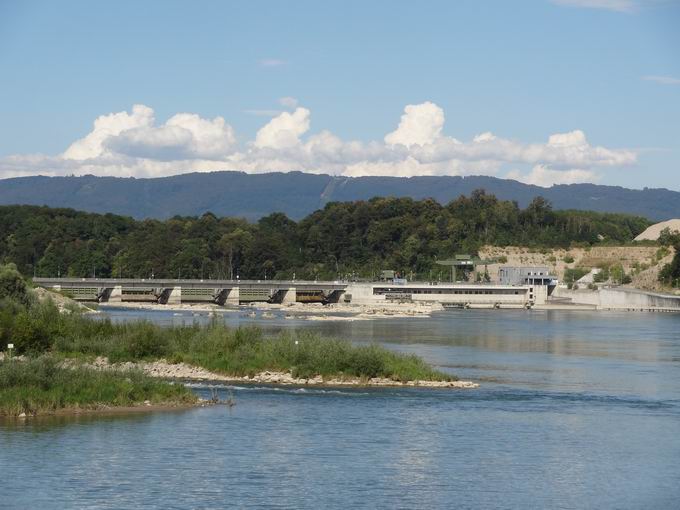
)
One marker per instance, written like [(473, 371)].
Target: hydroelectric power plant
[(525, 287)]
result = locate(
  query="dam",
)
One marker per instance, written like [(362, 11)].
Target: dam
[(235, 292)]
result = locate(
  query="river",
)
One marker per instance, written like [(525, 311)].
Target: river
[(575, 410)]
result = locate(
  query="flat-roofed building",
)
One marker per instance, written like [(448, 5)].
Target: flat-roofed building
[(526, 275)]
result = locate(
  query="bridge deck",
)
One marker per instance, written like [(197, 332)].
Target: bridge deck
[(189, 284)]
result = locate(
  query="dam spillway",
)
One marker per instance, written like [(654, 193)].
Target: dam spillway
[(235, 292)]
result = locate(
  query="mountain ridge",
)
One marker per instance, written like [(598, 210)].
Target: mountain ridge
[(233, 193)]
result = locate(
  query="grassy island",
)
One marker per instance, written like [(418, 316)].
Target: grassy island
[(43, 385), (53, 342), (238, 352)]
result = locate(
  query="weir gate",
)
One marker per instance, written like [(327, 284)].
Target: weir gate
[(172, 291), (235, 292)]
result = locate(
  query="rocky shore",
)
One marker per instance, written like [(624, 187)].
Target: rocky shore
[(183, 371), (300, 311)]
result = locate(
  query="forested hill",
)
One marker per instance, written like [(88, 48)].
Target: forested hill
[(298, 194), (361, 237)]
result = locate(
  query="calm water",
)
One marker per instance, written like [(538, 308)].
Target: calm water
[(576, 410)]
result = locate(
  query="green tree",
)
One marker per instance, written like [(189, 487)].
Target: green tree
[(12, 285)]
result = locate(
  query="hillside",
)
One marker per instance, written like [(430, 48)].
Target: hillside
[(358, 238), (297, 194), (641, 263)]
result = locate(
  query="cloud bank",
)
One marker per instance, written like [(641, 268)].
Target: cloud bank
[(135, 144)]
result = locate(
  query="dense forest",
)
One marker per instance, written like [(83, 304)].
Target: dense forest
[(344, 238)]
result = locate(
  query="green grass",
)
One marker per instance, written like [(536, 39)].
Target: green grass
[(41, 328), (40, 386), (243, 351)]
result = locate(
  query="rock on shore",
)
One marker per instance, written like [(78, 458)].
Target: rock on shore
[(163, 369)]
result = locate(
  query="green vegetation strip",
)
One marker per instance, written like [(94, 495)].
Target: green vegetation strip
[(361, 238), (239, 352), (42, 386), (38, 330)]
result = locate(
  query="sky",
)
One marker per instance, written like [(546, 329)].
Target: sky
[(541, 91)]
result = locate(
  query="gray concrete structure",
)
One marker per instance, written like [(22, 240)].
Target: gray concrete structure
[(526, 275), (234, 292), (458, 295), (621, 298), (171, 291)]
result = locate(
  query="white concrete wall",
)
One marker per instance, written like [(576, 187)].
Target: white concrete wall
[(232, 297), (175, 296), (540, 293), (116, 294), (619, 298), (580, 297), (363, 294), (289, 296)]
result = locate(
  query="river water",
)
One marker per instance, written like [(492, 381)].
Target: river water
[(575, 410)]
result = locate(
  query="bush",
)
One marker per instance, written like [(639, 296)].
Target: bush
[(12, 285), (572, 275), (42, 385), (661, 253), (34, 329), (144, 340)]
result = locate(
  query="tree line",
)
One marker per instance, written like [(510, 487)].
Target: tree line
[(358, 238)]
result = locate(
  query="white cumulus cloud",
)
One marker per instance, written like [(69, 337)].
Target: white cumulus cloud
[(283, 130), (542, 175), (134, 144), (419, 125), (183, 136), (107, 126)]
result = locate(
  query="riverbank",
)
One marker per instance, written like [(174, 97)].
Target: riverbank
[(300, 311), (46, 386), (42, 330), (247, 353), (183, 371)]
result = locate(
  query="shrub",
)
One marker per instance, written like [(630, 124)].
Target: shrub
[(572, 275), (42, 385), (13, 285)]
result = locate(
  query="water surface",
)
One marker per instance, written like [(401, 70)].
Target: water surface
[(576, 410)]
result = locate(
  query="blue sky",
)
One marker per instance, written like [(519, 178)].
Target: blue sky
[(323, 87)]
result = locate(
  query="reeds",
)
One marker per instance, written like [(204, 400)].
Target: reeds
[(43, 385)]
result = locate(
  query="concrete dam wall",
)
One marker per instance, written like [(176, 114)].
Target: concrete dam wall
[(621, 299)]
